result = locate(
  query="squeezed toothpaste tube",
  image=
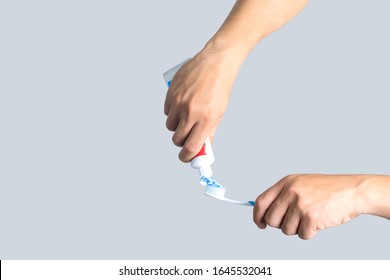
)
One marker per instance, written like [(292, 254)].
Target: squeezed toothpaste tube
[(205, 158), (169, 74)]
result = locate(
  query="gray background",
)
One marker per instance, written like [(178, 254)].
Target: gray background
[(88, 169)]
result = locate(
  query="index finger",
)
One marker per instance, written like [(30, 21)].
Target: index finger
[(194, 142), (264, 201)]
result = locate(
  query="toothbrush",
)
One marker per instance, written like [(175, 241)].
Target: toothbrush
[(215, 190), (205, 158)]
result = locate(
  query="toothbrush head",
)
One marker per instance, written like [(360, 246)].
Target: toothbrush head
[(213, 188), (216, 192)]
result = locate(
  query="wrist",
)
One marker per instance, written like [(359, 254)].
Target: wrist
[(231, 50), (374, 191), (361, 194)]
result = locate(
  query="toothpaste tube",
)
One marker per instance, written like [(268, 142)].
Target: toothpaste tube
[(205, 158)]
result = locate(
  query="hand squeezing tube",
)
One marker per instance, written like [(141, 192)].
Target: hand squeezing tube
[(205, 158)]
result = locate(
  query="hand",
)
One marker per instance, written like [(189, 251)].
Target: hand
[(199, 93), (306, 204), (197, 99)]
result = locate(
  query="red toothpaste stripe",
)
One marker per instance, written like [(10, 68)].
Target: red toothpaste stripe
[(202, 151)]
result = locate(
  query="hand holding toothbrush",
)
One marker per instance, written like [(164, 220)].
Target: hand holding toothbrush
[(305, 204)]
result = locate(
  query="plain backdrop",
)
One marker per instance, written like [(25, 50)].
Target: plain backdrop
[(88, 169)]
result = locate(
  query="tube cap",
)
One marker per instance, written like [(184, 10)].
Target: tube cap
[(206, 171)]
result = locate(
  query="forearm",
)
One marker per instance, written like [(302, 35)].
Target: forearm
[(249, 22), (199, 94), (375, 194)]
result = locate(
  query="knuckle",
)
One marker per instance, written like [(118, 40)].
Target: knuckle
[(294, 179), (173, 93), (177, 140), (301, 204), (306, 234), (271, 221), (259, 201), (176, 100), (170, 126), (294, 192), (191, 108), (166, 110), (284, 230), (287, 231), (295, 188), (190, 149), (183, 157), (212, 118), (312, 215), (303, 235), (195, 110), (188, 152), (289, 177)]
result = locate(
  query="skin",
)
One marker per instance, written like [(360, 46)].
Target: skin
[(200, 91), (198, 98), (306, 204)]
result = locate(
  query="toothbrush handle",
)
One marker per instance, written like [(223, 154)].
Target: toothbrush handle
[(245, 203)]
